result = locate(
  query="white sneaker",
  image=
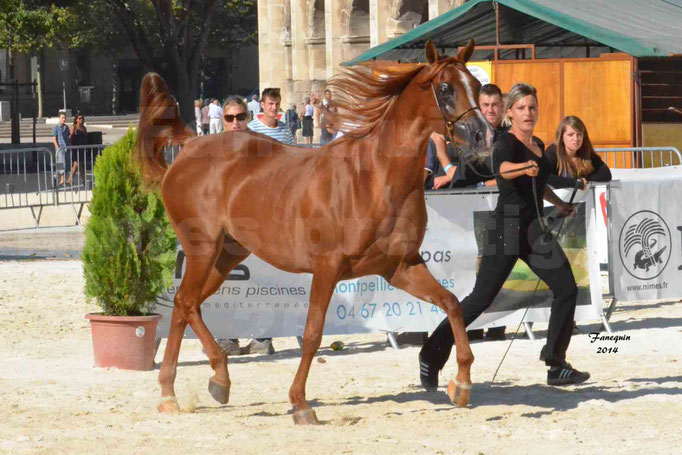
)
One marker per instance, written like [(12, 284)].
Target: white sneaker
[(229, 347), (260, 347)]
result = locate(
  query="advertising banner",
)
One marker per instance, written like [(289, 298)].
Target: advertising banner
[(646, 235)]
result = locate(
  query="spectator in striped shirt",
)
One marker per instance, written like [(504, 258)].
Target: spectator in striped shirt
[(267, 122)]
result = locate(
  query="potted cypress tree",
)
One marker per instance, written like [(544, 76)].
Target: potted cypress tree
[(128, 259)]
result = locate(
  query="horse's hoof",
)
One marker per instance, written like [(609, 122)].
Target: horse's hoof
[(305, 417), (168, 405), (459, 393), (219, 392)]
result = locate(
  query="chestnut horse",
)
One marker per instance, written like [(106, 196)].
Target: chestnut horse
[(352, 208)]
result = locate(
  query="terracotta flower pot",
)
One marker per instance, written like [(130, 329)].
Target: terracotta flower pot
[(125, 342)]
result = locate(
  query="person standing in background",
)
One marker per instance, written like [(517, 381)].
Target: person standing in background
[(205, 121), (292, 120), (61, 137), (307, 129), (215, 116), (253, 107), (197, 117), (79, 137)]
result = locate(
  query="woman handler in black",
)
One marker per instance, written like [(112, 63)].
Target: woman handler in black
[(523, 170)]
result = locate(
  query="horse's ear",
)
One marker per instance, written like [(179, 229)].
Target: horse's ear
[(465, 53), (431, 52)]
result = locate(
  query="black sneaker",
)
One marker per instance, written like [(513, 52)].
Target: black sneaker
[(565, 375), (496, 333), (428, 375), (475, 335)]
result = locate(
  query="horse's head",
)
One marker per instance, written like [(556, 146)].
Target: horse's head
[(455, 95)]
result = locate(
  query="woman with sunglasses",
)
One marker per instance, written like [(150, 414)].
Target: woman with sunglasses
[(235, 114), (235, 118)]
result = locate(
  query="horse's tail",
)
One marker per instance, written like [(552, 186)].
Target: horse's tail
[(160, 125)]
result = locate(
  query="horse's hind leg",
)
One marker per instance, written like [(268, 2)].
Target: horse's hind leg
[(230, 256), (201, 255), (416, 279), (320, 294)]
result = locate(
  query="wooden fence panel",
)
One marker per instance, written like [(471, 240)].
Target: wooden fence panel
[(545, 77), (598, 90)]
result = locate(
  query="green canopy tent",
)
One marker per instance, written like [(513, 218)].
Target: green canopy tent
[(557, 28)]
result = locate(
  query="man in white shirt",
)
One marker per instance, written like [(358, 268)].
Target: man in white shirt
[(267, 123), (254, 107), (215, 117)]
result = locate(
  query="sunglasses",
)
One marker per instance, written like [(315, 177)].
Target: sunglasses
[(230, 118)]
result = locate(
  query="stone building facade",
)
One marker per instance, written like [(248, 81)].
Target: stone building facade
[(301, 43)]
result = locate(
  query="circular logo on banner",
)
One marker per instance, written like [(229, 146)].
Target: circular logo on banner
[(645, 245), (139, 331)]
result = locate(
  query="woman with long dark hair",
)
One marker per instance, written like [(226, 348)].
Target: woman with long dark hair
[(572, 157), (79, 137), (522, 171)]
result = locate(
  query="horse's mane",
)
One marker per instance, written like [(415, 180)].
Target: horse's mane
[(364, 94)]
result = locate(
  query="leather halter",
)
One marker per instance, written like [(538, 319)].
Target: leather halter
[(450, 124)]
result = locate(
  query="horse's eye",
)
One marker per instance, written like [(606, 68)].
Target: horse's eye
[(444, 88)]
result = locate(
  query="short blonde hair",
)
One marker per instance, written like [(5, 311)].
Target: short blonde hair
[(518, 91)]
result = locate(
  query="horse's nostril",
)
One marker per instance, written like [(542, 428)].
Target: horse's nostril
[(479, 137)]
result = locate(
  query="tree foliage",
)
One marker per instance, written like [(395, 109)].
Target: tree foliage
[(28, 26), (129, 251), (170, 37)]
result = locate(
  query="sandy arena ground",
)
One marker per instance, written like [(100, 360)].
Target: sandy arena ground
[(54, 401)]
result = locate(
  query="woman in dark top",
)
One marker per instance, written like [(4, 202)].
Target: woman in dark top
[(292, 120), (523, 170), (78, 138), (573, 158)]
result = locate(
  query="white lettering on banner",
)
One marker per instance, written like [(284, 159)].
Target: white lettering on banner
[(646, 253), (257, 300)]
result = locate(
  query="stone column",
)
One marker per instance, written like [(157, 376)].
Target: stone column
[(438, 7), (299, 50), (333, 10), (277, 58), (264, 67), (315, 40), (378, 15)]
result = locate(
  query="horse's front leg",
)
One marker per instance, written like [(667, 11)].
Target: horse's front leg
[(324, 280), (416, 279)]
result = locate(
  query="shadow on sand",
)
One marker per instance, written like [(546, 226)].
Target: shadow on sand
[(350, 349)]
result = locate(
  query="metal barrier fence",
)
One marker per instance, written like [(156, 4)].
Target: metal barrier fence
[(37, 177), (640, 157), (75, 178), (34, 178), (26, 177)]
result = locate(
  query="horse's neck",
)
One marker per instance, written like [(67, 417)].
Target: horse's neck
[(400, 148)]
